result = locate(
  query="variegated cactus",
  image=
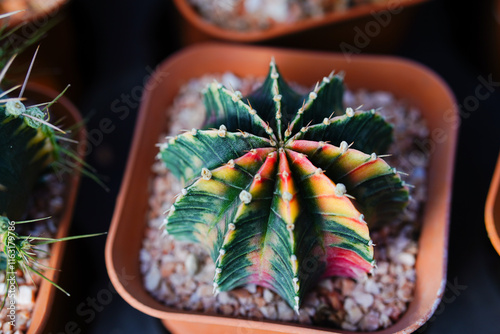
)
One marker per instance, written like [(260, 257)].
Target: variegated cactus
[(280, 192)]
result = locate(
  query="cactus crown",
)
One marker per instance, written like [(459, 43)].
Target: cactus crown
[(280, 192)]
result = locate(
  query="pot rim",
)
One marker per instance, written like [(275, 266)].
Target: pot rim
[(282, 29), (492, 209)]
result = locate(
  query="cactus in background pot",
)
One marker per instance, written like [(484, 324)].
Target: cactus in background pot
[(30, 147), (281, 192)]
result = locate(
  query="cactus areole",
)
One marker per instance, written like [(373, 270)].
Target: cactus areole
[(281, 186)]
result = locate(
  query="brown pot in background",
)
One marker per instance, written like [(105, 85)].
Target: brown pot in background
[(492, 209), (377, 27), (33, 11), (405, 79), (69, 116)]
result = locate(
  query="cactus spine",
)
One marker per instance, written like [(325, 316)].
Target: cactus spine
[(280, 192)]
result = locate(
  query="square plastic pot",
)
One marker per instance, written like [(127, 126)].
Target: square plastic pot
[(405, 79)]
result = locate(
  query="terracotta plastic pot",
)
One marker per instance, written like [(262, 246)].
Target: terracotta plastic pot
[(69, 116), (492, 210), (382, 31), (407, 80)]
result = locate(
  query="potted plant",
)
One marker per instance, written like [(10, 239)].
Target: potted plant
[(285, 22), (40, 173), (46, 288), (128, 224)]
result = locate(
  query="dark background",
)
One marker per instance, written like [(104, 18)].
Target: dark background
[(106, 49)]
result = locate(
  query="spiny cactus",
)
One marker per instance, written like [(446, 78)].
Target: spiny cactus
[(281, 191), (30, 146)]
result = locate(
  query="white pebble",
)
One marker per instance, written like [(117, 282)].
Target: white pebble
[(152, 279), (191, 264), (26, 295), (406, 259), (285, 313), (268, 296), (372, 287), (269, 312), (365, 300), (252, 288)]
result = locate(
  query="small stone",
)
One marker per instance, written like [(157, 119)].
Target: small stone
[(22, 321), (370, 322), (405, 293), (255, 314), (167, 268), (177, 279), (268, 296), (372, 287), (335, 301), (191, 264), (252, 288), (152, 278), (382, 268), (224, 298), (204, 290), (26, 296), (354, 315), (406, 259), (231, 80), (260, 302), (347, 286), (241, 293), (7, 327), (269, 312), (285, 312), (365, 300)]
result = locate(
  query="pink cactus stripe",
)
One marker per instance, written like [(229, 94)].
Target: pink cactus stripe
[(340, 259), (256, 155)]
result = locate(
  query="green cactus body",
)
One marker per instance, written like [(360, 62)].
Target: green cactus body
[(276, 201), (27, 148)]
